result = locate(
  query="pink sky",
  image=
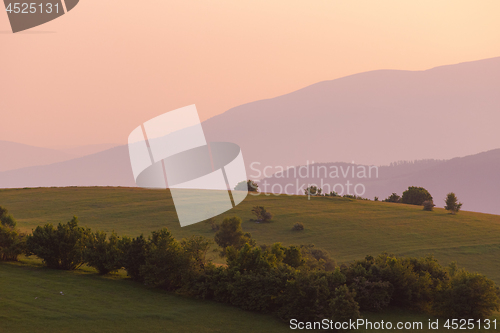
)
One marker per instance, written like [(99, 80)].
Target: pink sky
[(96, 73)]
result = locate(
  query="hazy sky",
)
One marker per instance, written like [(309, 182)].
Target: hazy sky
[(96, 73)]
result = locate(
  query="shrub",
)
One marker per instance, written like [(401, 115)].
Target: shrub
[(261, 214), (298, 226), (103, 253), (213, 223), (196, 249), (332, 194), (133, 255), (468, 296), (166, 265), (429, 205), (415, 196), (248, 185), (452, 203), (61, 247), (375, 199), (349, 196), (313, 191), (231, 234), (6, 219), (12, 243), (317, 259), (393, 198)]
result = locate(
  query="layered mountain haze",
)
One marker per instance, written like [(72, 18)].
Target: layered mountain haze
[(17, 155), (372, 118), (474, 179)]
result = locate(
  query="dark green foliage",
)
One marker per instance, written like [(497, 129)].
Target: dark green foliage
[(6, 219), (12, 243), (231, 234), (452, 203), (429, 205), (134, 255), (393, 198), (166, 263), (261, 214), (313, 191), (293, 256), (415, 196), (349, 196), (375, 199), (248, 185), (103, 253), (468, 296), (332, 194), (213, 224), (196, 249), (61, 247), (298, 226), (317, 259)]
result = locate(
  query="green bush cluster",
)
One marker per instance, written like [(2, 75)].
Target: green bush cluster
[(12, 242), (300, 282)]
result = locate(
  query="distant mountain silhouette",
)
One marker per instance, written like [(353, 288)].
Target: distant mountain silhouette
[(107, 168), (374, 117), (474, 179), (80, 151), (17, 155), (370, 118)]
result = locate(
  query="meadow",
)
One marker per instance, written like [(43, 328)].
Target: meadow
[(349, 229)]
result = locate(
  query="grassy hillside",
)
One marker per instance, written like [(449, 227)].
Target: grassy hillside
[(348, 229), (31, 301)]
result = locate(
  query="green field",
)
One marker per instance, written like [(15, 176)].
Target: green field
[(348, 229)]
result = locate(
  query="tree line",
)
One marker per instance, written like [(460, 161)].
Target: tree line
[(293, 282)]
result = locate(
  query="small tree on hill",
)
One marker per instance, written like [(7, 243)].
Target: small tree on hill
[(6, 219), (393, 198), (429, 205), (248, 185), (231, 234), (415, 196), (313, 190), (261, 214), (452, 203)]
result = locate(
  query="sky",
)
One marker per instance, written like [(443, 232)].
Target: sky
[(96, 73)]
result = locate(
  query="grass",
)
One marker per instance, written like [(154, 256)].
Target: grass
[(348, 229), (31, 301)]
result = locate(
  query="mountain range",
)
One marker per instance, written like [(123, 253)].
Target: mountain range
[(371, 118)]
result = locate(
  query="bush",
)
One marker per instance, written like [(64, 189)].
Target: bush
[(375, 199), (313, 191), (261, 214), (12, 243), (415, 196), (393, 198), (213, 224), (298, 227), (6, 219), (166, 265), (103, 253), (248, 185), (468, 296), (317, 259), (231, 234), (429, 205), (452, 203), (133, 256), (61, 247)]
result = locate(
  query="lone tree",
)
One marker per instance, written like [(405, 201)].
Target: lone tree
[(231, 234), (452, 203), (416, 196), (6, 219), (262, 214), (250, 186), (393, 198), (313, 190)]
